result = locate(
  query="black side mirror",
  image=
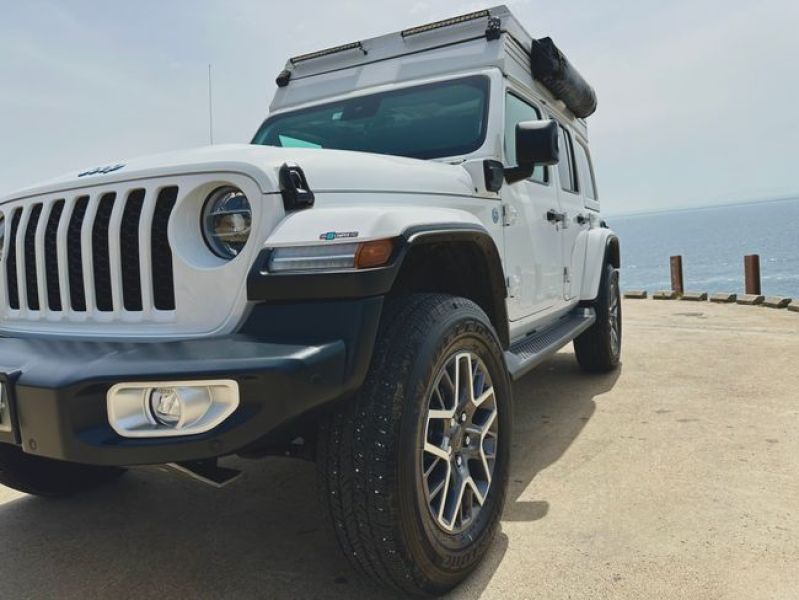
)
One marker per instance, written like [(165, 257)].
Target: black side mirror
[(536, 144)]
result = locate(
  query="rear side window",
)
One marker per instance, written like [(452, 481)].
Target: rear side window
[(566, 170), (517, 111), (585, 171)]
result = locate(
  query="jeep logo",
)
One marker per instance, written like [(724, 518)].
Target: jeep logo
[(102, 170)]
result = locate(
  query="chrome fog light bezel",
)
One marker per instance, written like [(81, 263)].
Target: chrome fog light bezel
[(208, 404)]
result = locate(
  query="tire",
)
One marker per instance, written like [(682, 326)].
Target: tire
[(598, 348), (375, 452), (47, 477)]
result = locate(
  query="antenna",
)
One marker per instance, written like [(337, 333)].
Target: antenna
[(210, 109)]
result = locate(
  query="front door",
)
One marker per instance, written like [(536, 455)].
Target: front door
[(533, 246)]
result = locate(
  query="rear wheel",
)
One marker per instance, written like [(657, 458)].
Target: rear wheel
[(414, 470), (47, 477), (598, 348)]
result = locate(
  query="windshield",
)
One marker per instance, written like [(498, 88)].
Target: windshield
[(428, 121)]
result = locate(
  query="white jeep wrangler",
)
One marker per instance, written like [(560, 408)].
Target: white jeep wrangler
[(414, 226)]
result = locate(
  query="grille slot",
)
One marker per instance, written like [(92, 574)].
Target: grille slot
[(51, 256), (91, 254), (163, 281), (31, 285), (100, 254), (11, 261), (77, 295), (129, 251)]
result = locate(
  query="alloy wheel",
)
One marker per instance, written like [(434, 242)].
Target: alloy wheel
[(460, 442)]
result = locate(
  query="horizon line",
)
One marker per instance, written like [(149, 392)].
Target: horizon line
[(655, 211)]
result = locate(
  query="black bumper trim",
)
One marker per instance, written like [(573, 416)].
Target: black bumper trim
[(288, 366)]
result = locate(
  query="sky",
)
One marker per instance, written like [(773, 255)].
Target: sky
[(698, 100)]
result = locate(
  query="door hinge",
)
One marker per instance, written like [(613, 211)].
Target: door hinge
[(509, 215), (566, 276)]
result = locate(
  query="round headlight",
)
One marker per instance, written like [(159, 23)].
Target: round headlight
[(226, 221)]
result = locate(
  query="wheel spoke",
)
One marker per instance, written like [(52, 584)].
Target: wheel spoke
[(489, 393), (436, 451), (441, 485), (436, 461), (478, 495), (440, 414), (454, 499)]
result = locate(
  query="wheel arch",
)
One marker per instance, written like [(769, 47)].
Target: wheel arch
[(603, 248), (458, 259)]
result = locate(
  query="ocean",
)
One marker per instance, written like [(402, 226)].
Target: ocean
[(712, 242)]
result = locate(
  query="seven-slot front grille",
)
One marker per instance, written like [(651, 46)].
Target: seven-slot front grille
[(106, 251)]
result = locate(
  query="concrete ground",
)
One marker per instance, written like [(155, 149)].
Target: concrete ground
[(677, 477)]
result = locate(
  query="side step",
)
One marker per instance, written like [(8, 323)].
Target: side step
[(530, 351)]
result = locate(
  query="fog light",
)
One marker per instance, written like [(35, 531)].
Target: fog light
[(165, 404), (170, 408)]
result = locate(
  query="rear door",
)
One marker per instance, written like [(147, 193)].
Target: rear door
[(533, 248), (574, 222)]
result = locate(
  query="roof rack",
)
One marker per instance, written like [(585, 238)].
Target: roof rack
[(518, 55)]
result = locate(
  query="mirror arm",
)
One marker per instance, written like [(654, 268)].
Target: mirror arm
[(514, 174)]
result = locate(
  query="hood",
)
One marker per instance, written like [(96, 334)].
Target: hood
[(326, 170)]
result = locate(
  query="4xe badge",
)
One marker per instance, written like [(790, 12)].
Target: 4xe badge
[(337, 235), (102, 170)]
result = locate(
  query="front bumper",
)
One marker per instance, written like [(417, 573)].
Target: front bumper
[(56, 389)]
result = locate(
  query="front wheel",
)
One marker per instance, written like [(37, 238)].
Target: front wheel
[(414, 470), (598, 348)]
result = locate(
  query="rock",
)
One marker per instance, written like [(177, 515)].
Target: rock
[(636, 294), (750, 299), (776, 301), (665, 295), (695, 296), (724, 298), (794, 306)]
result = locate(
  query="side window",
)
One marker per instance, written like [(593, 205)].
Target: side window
[(566, 171), (585, 171), (516, 111)]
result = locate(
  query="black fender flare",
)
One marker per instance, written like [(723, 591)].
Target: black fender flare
[(479, 238), (263, 286)]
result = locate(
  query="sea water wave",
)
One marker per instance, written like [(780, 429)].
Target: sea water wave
[(713, 242)]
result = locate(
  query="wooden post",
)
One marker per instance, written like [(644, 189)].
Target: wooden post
[(676, 275), (752, 274)]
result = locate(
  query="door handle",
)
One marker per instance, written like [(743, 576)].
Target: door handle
[(554, 216)]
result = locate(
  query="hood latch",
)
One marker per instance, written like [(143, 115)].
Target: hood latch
[(294, 187)]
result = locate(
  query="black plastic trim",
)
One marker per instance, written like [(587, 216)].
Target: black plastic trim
[(8, 381), (458, 232), (294, 187)]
